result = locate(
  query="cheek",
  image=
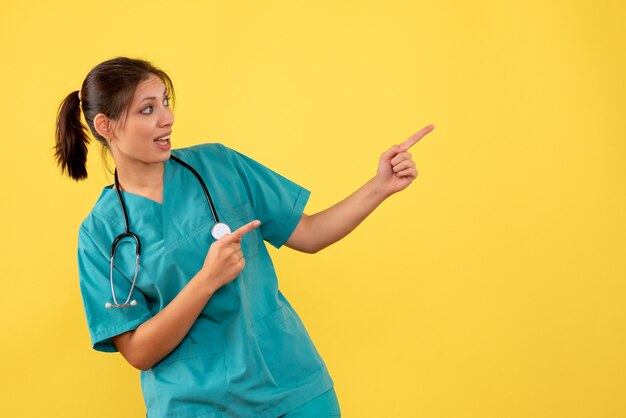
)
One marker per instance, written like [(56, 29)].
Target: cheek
[(138, 132), (134, 138)]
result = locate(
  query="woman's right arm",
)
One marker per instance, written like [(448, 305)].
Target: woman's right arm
[(149, 343)]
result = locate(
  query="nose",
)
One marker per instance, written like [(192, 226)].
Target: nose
[(167, 117)]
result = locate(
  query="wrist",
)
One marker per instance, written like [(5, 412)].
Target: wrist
[(377, 190), (202, 284)]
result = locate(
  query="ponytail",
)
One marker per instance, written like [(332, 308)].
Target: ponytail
[(71, 138), (108, 89)]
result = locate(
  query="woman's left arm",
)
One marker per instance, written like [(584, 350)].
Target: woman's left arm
[(396, 170)]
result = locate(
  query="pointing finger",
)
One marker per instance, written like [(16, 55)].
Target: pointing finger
[(416, 137), (239, 233)]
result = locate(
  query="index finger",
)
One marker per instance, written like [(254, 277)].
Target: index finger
[(239, 233), (416, 137)]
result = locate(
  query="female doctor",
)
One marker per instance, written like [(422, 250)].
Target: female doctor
[(173, 270)]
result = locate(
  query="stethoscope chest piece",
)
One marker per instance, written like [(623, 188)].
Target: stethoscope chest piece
[(219, 230)]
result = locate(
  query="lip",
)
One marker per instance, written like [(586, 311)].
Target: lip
[(166, 145), (169, 134)]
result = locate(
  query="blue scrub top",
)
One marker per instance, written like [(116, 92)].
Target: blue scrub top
[(248, 353)]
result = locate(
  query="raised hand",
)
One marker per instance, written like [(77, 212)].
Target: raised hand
[(396, 169)]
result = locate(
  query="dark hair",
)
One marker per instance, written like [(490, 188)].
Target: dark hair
[(108, 89)]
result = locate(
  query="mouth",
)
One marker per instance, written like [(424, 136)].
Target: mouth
[(162, 140)]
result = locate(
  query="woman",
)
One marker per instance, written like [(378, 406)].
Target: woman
[(197, 309)]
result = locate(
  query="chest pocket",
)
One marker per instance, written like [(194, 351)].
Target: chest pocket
[(238, 216)]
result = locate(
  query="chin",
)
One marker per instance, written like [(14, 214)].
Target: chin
[(164, 156)]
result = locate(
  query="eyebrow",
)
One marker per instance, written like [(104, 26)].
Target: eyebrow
[(152, 97)]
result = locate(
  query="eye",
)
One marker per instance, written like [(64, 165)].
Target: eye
[(147, 110), (166, 102)]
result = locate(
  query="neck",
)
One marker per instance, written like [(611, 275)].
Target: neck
[(144, 180)]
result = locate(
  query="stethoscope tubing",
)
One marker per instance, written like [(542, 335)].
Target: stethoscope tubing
[(219, 229), (204, 188)]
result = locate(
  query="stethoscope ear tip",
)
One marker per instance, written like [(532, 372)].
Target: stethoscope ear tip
[(107, 305), (133, 303)]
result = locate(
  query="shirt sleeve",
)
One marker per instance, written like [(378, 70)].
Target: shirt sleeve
[(95, 287), (277, 201)]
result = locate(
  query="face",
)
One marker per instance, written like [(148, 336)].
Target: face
[(144, 137)]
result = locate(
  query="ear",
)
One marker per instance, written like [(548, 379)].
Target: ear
[(104, 126)]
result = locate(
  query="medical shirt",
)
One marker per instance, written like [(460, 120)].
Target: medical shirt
[(248, 353)]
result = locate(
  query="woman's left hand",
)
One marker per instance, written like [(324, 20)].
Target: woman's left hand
[(396, 169)]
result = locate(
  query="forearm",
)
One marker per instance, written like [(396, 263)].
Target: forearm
[(157, 337), (331, 225)]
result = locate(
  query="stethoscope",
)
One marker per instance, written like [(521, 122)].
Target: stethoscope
[(218, 231)]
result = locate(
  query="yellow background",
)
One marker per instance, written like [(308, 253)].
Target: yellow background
[(492, 287)]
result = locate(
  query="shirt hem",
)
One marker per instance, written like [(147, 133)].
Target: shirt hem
[(99, 339), (292, 222)]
